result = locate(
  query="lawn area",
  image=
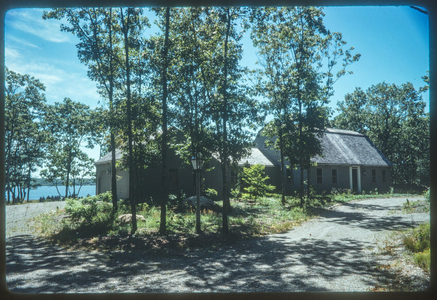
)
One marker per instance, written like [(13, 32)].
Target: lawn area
[(90, 223)]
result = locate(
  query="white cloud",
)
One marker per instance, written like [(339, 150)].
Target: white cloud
[(11, 53), (21, 41), (30, 21)]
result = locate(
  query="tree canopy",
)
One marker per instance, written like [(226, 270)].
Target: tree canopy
[(394, 118), (299, 58)]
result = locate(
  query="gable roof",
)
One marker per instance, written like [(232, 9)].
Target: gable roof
[(108, 157), (345, 147), (256, 157), (340, 147)]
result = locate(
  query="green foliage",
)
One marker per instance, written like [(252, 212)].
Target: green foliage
[(298, 55), (175, 200), (255, 182), (235, 193), (394, 118), (25, 133), (418, 242), (244, 220), (423, 259), (427, 195), (70, 124), (210, 193), (93, 211)]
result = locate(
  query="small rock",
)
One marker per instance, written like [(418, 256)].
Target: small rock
[(204, 202), (127, 218)]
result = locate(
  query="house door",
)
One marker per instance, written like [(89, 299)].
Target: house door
[(355, 179)]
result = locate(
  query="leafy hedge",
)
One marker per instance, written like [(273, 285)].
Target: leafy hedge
[(93, 211)]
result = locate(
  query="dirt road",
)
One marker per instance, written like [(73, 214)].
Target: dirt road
[(333, 252)]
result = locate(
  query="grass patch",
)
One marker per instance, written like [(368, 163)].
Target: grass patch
[(90, 223), (411, 206), (418, 242)]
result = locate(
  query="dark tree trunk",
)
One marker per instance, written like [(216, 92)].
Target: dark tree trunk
[(226, 203), (111, 109), (132, 196), (281, 150), (162, 227)]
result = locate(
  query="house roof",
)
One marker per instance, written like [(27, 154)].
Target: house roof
[(108, 157), (256, 157), (344, 147), (340, 147)]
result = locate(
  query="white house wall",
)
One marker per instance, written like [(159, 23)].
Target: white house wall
[(104, 181)]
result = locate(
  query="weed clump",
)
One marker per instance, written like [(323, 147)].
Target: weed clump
[(418, 242)]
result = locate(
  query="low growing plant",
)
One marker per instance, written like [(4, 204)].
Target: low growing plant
[(418, 242)]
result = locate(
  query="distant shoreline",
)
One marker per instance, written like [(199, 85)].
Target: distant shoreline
[(50, 191), (43, 182)]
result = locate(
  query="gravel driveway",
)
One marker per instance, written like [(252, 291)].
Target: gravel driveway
[(333, 252), (18, 217)]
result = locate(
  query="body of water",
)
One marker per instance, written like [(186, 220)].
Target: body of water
[(49, 191)]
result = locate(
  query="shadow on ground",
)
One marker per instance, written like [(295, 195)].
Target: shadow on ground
[(35, 266), (278, 264), (358, 216)]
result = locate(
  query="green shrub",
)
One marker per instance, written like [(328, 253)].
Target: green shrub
[(236, 193), (418, 241), (90, 210), (255, 182), (426, 194), (423, 259), (210, 193)]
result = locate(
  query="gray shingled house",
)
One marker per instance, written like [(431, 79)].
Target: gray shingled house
[(349, 161), (179, 174)]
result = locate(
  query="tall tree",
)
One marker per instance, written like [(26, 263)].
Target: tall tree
[(191, 61), (130, 27), (298, 55), (199, 54), (25, 135), (99, 50), (159, 56), (235, 114), (71, 126)]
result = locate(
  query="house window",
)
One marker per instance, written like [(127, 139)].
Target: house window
[(383, 175), (334, 176), (319, 176), (373, 175), (173, 179)]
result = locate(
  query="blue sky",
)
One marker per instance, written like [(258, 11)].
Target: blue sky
[(393, 43)]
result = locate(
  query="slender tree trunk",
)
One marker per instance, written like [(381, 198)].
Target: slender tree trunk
[(162, 227), (29, 180), (308, 181), (226, 203), (281, 150), (132, 196), (67, 183), (112, 125)]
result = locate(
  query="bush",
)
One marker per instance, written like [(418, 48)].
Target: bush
[(426, 194), (90, 210), (423, 259), (255, 182), (211, 193), (418, 241)]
